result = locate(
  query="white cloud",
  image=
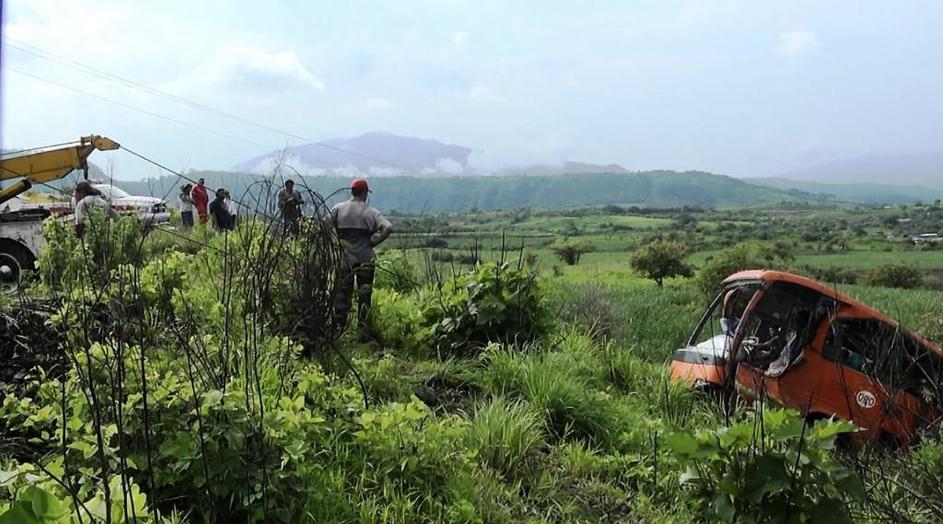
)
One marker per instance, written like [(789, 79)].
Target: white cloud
[(791, 44), (460, 38), (249, 69)]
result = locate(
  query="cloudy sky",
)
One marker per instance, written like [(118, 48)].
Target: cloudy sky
[(744, 88)]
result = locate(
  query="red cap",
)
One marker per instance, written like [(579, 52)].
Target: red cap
[(360, 185)]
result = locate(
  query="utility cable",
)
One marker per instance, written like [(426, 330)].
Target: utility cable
[(138, 109), (93, 71)]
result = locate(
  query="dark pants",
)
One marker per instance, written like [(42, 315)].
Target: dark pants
[(357, 276), (186, 218)]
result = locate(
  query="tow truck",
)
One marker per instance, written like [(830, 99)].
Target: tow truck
[(21, 238)]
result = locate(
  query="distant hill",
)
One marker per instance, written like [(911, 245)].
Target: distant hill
[(371, 153), (463, 193), (858, 192), (386, 154), (913, 170), (562, 169)]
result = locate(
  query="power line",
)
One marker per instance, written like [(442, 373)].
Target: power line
[(138, 109), (93, 71)]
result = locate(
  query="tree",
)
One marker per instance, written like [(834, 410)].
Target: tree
[(570, 251), (661, 259), (739, 257)]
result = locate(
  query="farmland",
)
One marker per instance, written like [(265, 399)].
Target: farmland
[(201, 378)]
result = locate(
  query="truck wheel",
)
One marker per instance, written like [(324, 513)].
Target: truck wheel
[(14, 258)]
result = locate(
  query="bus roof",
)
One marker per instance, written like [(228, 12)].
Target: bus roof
[(858, 308)]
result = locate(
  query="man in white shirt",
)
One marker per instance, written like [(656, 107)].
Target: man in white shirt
[(362, 228), (86, 198)]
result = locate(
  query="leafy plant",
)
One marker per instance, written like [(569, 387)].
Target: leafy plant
[(490, 303), (774, 470)]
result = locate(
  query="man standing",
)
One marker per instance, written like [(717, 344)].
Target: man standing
[(186, 206), (200, 199), (87, 197), (222, 220), (289, 205), (362, 228)]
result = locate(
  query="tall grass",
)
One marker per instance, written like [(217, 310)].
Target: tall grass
[(505, 433)]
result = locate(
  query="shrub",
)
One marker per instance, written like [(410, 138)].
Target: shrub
[(505, 434), (570, 251), (490, 303), (738, 258), (661, 259), (593, 308), (747, 473), (397, 321), (905, 276), (395, 271)]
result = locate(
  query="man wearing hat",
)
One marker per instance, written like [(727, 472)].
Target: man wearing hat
[(362, 228)]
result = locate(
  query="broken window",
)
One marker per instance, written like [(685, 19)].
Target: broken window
[(893, 357), (782, 325), (720, 322)]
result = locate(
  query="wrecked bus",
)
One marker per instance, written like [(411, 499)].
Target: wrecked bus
[(803, 345)]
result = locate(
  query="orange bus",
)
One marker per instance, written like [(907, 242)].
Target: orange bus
[(803, 345)]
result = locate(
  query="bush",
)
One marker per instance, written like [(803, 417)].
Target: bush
[(570, 251), (907, 276), (395, 271), (746, 473), (397, 322), (661, 259), (738, 258), (490, 303), (593, 308)]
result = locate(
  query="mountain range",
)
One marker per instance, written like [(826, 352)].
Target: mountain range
[(893, 170), (386, 154)]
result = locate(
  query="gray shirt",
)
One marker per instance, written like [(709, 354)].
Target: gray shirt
[(356, 222)]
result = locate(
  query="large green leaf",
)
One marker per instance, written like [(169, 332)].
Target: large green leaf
[(45, 505), (19, 513)]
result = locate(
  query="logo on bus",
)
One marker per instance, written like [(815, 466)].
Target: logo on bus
[(866, 399)]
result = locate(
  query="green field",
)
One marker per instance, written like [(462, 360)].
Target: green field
[(201, 377)]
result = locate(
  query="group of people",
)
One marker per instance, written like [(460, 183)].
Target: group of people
[(360, 227), (222, 210)]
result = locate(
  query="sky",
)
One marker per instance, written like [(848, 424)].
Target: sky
[(744, 88)]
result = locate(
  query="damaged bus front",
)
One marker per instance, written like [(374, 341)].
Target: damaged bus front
[(803, 345)]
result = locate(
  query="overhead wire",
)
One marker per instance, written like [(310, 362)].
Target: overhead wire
[(93, 71), (135, 108)]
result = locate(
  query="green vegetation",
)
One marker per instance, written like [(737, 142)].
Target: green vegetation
[(494, 385), (466, 193), (661, 259)]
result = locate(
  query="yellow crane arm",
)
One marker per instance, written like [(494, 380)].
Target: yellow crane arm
[(49, 164)]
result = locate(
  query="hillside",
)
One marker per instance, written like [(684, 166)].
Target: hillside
[(860, 192), (923, 170), (448, 194)]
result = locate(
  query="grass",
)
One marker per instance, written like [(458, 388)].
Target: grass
[(505, 433)]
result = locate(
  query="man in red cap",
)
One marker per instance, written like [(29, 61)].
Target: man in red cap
[(362, 228)]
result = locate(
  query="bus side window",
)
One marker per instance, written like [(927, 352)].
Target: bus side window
[(837, 349)]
